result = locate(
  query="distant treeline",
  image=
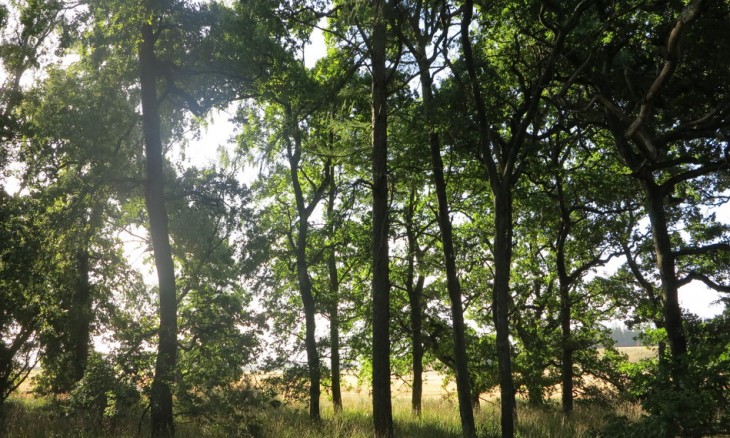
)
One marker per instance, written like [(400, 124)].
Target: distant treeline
[(625, 337)]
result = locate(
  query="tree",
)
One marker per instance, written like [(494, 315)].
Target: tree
[(76, 161), (504, 144), (668, 141), (433, 20), (382, 410)]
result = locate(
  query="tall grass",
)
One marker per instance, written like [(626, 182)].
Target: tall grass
[(439, 419), (27, 417)]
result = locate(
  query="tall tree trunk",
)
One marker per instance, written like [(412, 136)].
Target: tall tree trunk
[(463, 381), (161, 391), (416, 304), (566, 366), (564, 280), (334, 283), (382, 409), (501, 301), (305, 284), (665, 262), (335, 358), (414, 288), (81, 333), (305, 289)]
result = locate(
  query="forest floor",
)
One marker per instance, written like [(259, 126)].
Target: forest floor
[(29, 417)]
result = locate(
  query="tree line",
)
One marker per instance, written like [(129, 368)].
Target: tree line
[(438, 191)]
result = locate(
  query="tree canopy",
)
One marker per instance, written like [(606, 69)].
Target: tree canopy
[(483, 189)]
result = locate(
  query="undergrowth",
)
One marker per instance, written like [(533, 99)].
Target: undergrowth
[(29, 417)]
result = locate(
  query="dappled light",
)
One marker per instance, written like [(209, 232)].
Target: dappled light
[(393, 218)]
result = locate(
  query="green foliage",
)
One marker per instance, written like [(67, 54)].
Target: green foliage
[(103, 394), (292, 384), (698, 404), (23, 303)]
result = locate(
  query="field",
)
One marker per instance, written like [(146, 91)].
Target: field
[(30, 417)]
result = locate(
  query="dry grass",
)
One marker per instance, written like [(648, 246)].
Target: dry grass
[(439, 419), (30, 417), (638, 353)]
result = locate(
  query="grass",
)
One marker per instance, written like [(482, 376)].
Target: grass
[(440, 419), (35, 418), (27, 416)]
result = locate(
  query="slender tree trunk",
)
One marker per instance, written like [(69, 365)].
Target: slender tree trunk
[(667, 271), (500, 179), (566, 367), (382, 409), (161, 391), (414, 288), (305, 289), (416, 305), (335, 358), (500, 303), (335, 299), (81, 307), (463, 381), (305, 284)]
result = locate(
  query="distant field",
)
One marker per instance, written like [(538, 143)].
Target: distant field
[(433, 382), (638, 353)]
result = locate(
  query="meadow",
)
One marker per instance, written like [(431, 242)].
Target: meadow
[(36, 418), (29, 416)]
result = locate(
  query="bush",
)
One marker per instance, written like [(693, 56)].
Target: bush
[(695, 405), (102, 395)]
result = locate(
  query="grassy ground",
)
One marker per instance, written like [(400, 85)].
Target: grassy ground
[(35, 418), (26, 416), (440, 419)]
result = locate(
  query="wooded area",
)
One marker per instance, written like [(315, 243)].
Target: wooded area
[(481, 189)]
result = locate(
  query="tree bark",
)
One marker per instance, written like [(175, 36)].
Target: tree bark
[(564, 280), (335, 358), (566, 366), (161, 391), (334, 284), (305, 289), (305, 284), (81, 307), (463, 381), (414, 288), (665, 262), (501, 301), (382, 409)]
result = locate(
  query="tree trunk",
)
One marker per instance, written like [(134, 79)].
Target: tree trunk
[(414, 288), (335, 358), (382, 409), (463, 381), (81, 333), (334, 297), (416, 305), (305, 284), (161, 391), (305, 289), (566, 366), (501, 301), (665, 262)]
